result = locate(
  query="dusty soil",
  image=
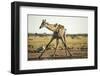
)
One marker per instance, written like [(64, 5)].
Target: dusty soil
[(60, 54), (78, 46)]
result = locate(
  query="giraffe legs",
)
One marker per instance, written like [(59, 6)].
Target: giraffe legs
[(57, 42), (66, 49), (46, 47)]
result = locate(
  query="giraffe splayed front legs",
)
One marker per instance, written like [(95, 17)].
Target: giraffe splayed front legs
[(58, 34)]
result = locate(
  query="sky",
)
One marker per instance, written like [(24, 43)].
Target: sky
[(73, 24)]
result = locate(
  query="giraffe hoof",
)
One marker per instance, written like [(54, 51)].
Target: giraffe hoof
[(51, 55), (56, 55)]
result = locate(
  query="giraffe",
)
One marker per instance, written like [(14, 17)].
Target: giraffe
[(58, 33)]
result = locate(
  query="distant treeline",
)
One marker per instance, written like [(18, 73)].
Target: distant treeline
[(44, 34)]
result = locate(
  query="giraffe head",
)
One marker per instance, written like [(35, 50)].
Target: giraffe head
[(43, 23)]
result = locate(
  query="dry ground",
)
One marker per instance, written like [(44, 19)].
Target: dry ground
[(76, 44)]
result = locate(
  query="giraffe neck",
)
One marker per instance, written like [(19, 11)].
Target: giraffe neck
[(51, 27)]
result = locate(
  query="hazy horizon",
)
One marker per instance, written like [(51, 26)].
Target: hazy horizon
[(74, 25)]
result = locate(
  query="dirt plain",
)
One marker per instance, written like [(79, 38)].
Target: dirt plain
[(77, 45)]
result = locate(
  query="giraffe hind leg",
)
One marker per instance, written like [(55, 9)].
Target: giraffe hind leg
[(66, 49), (57, 42)]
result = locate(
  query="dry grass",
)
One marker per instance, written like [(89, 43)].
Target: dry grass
[(76, 45)]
